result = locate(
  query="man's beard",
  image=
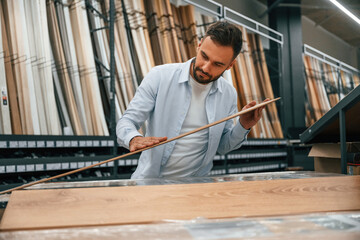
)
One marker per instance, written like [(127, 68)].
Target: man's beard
[(200, 79)]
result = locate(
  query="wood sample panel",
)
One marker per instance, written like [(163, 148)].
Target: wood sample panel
[(39, 209)]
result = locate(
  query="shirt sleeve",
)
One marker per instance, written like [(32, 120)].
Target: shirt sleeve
[(233, 135), (138, 110)]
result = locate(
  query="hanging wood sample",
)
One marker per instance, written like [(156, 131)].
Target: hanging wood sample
[(38, 209), (5, 121), (325, 86), (16, 126)]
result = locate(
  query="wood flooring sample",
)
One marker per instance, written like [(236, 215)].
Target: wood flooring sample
[(54, 208)]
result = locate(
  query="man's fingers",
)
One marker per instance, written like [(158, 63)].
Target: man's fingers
[(143, 142), (163, 139), (249, 105), (256, 114)]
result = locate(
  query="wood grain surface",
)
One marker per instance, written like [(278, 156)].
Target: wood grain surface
[(56, 208)]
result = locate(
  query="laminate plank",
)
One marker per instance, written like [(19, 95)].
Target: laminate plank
[(16, 125), (38, 209), (164, 30), (313, 99), (44, 53), (179, 33), (64, 86), (72, 71), (23, 39), (34, 39), (259, 84), (172, 33), (88, 76), (268, 89), (5, 120), (154, 32), (329, 72), (17, 58)]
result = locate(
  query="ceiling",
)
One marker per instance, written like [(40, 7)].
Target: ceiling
[(328, 16)]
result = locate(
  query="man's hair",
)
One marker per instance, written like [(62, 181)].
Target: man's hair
[(226, 34)]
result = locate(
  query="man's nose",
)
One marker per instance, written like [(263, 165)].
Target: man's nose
[(206, 67)]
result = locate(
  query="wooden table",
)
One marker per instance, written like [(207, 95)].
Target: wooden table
[(99, 206)]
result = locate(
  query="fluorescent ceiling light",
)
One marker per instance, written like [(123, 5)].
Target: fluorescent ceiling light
[(336, 3)]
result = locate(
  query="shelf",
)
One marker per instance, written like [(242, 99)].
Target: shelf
[(265, 141), (20, 165), (256, 167), (50, 141)]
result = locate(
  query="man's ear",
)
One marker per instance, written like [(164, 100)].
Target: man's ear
[(197, 49), (231, 64)]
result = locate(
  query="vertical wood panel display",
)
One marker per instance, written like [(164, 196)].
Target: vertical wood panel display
[(49, 61), (252, 82), (325, 87), (57, 70)]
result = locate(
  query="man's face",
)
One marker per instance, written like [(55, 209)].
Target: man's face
[(211, 61)]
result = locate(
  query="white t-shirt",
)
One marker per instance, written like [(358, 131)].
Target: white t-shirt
[(189, 151)]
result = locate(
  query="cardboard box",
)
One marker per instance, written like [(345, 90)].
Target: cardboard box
[(327, 156), (353, 169)]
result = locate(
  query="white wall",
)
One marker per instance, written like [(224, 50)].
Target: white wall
[(328, 43)]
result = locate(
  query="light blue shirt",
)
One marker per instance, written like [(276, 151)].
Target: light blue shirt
[(163, 98)]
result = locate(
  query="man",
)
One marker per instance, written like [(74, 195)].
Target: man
[(177, 98)]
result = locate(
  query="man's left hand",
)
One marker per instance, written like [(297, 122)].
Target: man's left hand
[(248, 120)]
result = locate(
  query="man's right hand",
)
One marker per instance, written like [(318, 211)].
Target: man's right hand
[(140, 142)]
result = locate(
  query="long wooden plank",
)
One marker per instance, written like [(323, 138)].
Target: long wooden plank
[(172, 32), (311, 87), (18, 64), (5, 121), (71, 72), (137, 37), (164, 30), (268, 89), (154, 33), (179, 33), (35, 36), (44, 52), (39, 209), (75, 75), (88, 76), (267, 130), (62, 68), (11, 84)]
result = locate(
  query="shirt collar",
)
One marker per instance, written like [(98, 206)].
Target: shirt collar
[(185, 73)]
